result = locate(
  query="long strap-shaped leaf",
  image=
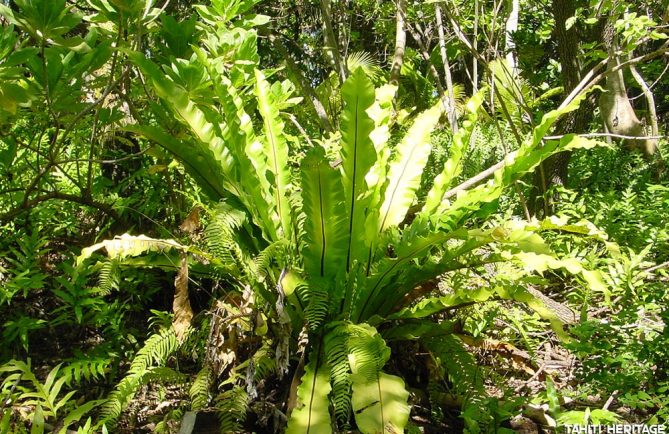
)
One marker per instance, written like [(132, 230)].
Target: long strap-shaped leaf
[(276, 150), (379, 400), (325, 221), (312, 416), (407, 167), (250, 158), (357, 155), (177, 98), (453, 166)]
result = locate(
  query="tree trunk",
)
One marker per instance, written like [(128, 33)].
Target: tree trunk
[(303, 83), (452, 115), (511, 27), (615, 107), (331, 41), (554, 171), (400, 42)]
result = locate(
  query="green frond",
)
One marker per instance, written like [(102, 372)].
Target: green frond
[(513, 89), (317, 298), (249, 156), (336, 352), (364, 60), (275, 149), (453, 166), (222, 237), (406, 168), (155, 352), (163, 375), (379, 289), (312, 414), (231, 408), (199, 389), (450, 215), (109, 276), (85, 368), (271, 257), (460, 366), (208, 134), (379, 400), (324, 219), (358, 156), (196, 158), (264, 363), (127, 245)]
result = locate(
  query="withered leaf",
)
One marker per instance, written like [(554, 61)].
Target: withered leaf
[(183, 313), (192, 221)]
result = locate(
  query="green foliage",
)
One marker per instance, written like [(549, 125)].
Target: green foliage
[(46, 397), (146, 366), (310, 255), (312, 413), (231, 408)]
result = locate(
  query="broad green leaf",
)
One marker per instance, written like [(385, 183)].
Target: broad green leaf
[(380, 286), (177, 98), (312, 415), (249, 156), (407, 167), (276, 152), (37, 424), (196, 157), (358, 156), (379, 400), (325, 221)]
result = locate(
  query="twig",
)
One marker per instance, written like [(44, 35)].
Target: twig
[(657, 267), (492, 169), (304, 134), (615, 136), (532, 378), (609, 401)]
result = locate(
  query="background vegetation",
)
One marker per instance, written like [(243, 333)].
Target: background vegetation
[(333, 215)]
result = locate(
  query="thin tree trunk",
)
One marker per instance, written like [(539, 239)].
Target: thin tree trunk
[(303, 83), (400, 42), (331, 41), (452, 115), (615, 107), (511, 27), (433, 71), (554, 171), (652, 112), (475, 63)]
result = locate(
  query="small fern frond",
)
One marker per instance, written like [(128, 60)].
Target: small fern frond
[(318, 302), (221, 236), (85, 368), (336, 352), (199, 390), (109, 276), (155, 352), (275, 253), (264, 363), (460, 366), (163, 375), (231, 409)]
